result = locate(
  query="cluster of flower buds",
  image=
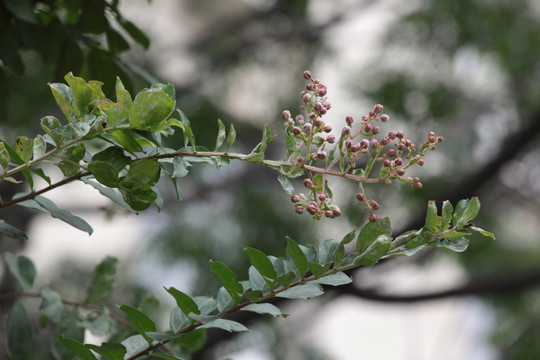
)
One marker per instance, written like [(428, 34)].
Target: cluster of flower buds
[(394, 152), (317, 204)]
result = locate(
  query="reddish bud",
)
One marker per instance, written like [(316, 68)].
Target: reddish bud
[(376, 130), (321, 154), (361, 197), (374, 143), (384, 118), (378, 109), (391, 152), (416, 179), (440, 139), (374, 205), (431, 139), (327, 128), (318, 106), (331, 139), (398, 161), (387, 163), (299, 118), (308, 183), (336, 212), (296, 130), (364, 144), (421, 162), (392, 135), (307, 127), (307, 74), (346, 130), (322, 197), (400, 134), (368, 127), (318, 122), (372, 217), (400, 172), (299, 209), (327, 105), (306, 97), (328, 213), (418, 185), (312, 208), (365, 117), (349, 144), (286, 114), (295, 198), (349, 119)]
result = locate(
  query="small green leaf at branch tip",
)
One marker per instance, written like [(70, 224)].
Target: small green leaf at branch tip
[(111, 351), (231, 137), (150, 108), (483, 232), (465, 212), (431, 217), (76, 347), (22, 268), (228, 278), (64, 215), (51, 305), (375, 251), (82, 93), (371, 231), (220, 135)]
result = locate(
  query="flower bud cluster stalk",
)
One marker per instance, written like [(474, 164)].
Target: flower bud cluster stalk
[(313, 150)]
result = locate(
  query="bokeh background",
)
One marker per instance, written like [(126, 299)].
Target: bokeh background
[(468, 70)]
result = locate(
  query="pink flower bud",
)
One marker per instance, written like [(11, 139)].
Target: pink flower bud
[(384, 118), (349, 144), (387, 163), (318, 106), (336, 212), (400, 134), (307, 127), (349, 119), (378, 109), (374, 143), (306, 97), (400, 171), (346, 130), (328, 213), (307, 74), (299, 209), (296, 130), (308, 183), (299, 118), (418, 185), (398, 161), (330, 139), (392, 135), (318, 122), (286, 115), (327, 105), (421, 162), (327, 128), (391, 152), (372, 217), (321, 154), (361, 197), (364, 144), (295, 198), (322, 197), (374, 205), (368, 127), (365, 118), (375, 129)]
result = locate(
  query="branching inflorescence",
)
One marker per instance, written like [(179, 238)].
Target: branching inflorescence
[(355, 155)]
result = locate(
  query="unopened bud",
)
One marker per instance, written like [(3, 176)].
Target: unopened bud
[(400, 171), (391, 152), (299, 209), (330, 139), (328, 213), (296, 130), (349, 119), (321, 154), (336, 212), (398, 161), (308, 127), (378, 108), (295, 198), (375, 130), (327, 128), (346, 130), (392, 135), (361, 197), (374, 143), (307, 74), (400, 134), (286, 115), (372, 217), (308, 183), (418, 185), (384, 118), (322, 197), (420, 162), (368, 127)]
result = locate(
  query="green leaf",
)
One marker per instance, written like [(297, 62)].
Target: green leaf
[(98, 324), (69, 327), (22, 269), (231, 137), (463, 215), (63, 215), (259, 260), (72, 131), (4, 157), (19, 332), (64, 98), (224, 299), (49, 124), (126, 138), (220, 135), (298, 257), (40, 147), (371, 231), (82, 93), (305, 291), (142, 173), (192, 340), (12, 231), (286, 184), (446, 215), (264, 308), (256, 281), (327, 250), (24, 147), (102, 283), (74, 153), (431, 218), (140, 199), (165, 356), (134, 345), (227, 325), (227, 277), (336, 279), (375, 251), (139, 320), (116, 42), (111, 351), (317, 269), (97, 93), (150, 108), (110, 193), (135, 33), (457, 244), (79, 349), (184, 302), (180, 167), (257, 154), (403, 239), (424, 236), (206, 304), (340, 250), (483, 232), (107, 164), (178, 320), (51, 305), (286, 279)]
